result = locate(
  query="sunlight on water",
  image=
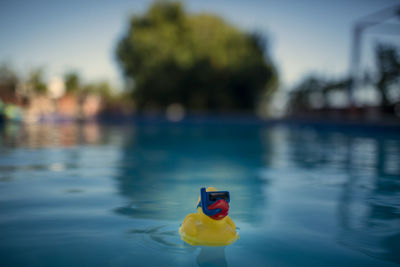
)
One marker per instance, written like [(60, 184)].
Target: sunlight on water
[(83, 195)]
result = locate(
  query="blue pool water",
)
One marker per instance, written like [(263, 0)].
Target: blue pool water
[(95, 195)]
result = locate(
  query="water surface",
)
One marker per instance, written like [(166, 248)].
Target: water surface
[(86, 195)]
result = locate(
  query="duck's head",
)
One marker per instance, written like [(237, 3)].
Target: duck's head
[(213, 203)]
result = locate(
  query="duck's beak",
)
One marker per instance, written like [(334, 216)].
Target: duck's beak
[(220, 204)]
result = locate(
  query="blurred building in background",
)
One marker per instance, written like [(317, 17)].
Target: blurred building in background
[(58, 100)]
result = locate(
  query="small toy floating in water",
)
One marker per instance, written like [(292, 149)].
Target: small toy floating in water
[(211, 225)]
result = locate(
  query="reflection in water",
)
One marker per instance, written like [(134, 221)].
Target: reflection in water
[(369, 202), (50, 135), (212, 256), (163, 169), (307, 184), (41, 136), (369, 210)]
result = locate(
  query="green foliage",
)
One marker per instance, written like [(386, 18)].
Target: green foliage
[(37, 82), (388, 70), (74, 85), (299, 98), (7, 73), (199, 61), (72, 82), (8, 78), (102, 89), (311, 88)]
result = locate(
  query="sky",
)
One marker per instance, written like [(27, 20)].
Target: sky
[(304, 37)]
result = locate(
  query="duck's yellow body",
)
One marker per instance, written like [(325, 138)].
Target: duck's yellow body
[(199, 229)]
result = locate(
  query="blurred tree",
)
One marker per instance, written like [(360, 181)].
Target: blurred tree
[(299, 97), (102, 89), (313, 92), (8, 79), (72, 82), (388, 71), (36, 81), (199, 61), (8, 85)]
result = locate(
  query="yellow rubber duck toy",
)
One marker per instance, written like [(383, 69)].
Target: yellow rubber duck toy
[(211, 225)]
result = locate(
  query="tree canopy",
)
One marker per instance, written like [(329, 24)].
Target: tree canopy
[(72, 82), (197, 60), (37, 81)]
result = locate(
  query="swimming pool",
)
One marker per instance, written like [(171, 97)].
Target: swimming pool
[(97, 195)]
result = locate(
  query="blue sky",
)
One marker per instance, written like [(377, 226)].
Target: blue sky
[(304, 36)]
